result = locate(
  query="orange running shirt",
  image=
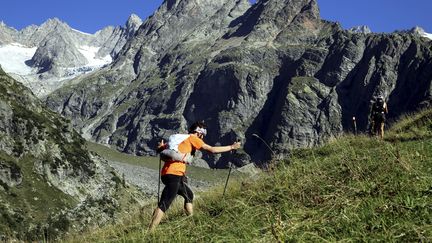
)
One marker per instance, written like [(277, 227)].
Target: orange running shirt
[(179, 167)]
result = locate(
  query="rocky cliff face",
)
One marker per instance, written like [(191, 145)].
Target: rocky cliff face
[(48, 180), (361, 29), (274, 69), (7, 34), (57, 52), (61, 52)]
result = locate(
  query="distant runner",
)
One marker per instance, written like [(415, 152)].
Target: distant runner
[(173, 171), (378, 115)]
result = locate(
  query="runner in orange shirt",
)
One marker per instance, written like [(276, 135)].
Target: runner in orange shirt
[(173, 172)]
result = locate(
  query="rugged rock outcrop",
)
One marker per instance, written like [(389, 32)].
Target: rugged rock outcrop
[(118, 36), (7, 34), (273, 69), (48, 180), (361, 29), (56, 52), (420, 32)]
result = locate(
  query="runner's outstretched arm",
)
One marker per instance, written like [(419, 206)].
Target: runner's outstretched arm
[(221, 149)]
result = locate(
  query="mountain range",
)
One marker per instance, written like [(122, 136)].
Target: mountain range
[(273, 70), (273, 74), (45, 56)]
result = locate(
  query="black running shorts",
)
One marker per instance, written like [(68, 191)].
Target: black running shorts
[(174, 185), (379, 118)]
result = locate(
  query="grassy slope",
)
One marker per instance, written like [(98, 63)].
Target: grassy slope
[(26, 209), (29, 203), (352, 189)]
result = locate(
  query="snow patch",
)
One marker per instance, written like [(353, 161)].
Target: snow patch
[(89, 52), (13, 57), (84, 33), (427, 35)]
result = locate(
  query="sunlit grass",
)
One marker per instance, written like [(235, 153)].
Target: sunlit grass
[(353, 189)]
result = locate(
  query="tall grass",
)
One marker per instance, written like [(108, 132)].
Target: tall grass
[(353, 189)]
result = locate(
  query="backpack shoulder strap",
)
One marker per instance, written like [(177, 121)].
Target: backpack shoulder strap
[(175, 140)]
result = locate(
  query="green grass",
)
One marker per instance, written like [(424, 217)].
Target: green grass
[(412, 127), (353, 189), (29, 202)]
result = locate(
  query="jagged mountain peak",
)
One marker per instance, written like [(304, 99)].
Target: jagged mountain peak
[(134, 19), (53, 22), (276, 20), (190, 6), (3, 25), (7, 34), (172, 22), (29, 28), (33, 35), (418, 30), (361, 29), (133, 23), (184, 10), (289, 7)]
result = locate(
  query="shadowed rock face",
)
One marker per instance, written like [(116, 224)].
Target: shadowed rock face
[(274, 69)]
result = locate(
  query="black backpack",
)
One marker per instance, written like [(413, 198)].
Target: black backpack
[(378, 107)]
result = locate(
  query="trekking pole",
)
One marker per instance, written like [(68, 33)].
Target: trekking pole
[(226, 182), (229, 172), (355, 125), (159, 179)]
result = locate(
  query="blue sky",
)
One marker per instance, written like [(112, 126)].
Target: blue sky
[(92, 15), (379, 15)]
